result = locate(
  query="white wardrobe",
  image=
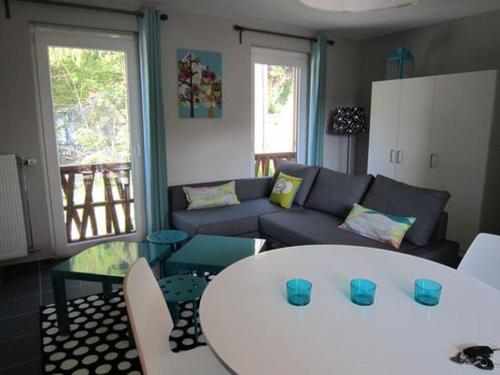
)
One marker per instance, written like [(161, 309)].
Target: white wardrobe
[(442, 132)]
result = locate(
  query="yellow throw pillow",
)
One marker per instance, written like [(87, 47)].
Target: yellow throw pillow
[(284, 190)]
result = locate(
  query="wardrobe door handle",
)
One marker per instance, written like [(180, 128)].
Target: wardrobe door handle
[(399, 157), (391, 156), (432, 160)]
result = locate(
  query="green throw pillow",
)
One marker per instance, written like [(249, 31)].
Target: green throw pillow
[(389, 229), (211, 196), (284, 190)]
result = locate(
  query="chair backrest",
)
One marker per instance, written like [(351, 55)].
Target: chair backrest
[(482, 260), (149, 317)]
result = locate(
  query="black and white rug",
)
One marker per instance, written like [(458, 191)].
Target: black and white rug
[(98, 342)]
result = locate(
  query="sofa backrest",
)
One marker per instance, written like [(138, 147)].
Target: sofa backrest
[(246, 188), (396, 198), (336, 192)]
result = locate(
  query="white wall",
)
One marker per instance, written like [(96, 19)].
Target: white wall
[(210, 149), (198, 149)]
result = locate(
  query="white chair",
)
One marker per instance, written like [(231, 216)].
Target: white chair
[(482, 260), (151, 325)]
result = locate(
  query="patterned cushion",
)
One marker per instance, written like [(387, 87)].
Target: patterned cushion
[(284, 190), (389, 229), (307, 173), (211, 196)]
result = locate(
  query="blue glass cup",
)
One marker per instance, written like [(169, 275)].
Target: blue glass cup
[(298, 292), (363, 292), (427, 292)]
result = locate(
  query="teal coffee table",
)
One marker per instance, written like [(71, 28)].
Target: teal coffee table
[(213, 253), (106, 263)]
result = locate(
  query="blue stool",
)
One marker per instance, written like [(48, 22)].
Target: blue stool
[(182, 288), (167, 237)]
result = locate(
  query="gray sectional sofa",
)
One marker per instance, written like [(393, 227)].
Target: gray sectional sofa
[(321, 204)]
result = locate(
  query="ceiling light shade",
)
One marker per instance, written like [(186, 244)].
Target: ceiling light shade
[(356, 6)]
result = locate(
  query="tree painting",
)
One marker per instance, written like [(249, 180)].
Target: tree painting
[(199, 81)]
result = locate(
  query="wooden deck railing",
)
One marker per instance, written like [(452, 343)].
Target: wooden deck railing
[(114, 177), (265, 164)]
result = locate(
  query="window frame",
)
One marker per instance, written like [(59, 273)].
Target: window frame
[(299, 60)]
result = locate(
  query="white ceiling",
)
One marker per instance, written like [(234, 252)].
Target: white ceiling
[(355, 25)]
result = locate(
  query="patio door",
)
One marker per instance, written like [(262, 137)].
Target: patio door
[(89, 102)]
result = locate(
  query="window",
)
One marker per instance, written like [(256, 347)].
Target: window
[(279, 107)]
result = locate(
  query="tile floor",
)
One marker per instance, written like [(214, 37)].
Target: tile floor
[(23, 288)]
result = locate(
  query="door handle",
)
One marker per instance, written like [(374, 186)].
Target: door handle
[(399, 157), (432, 160), (391, 156)]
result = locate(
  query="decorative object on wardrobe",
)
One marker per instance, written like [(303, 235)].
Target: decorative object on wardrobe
[(400, 64), (347, 121)]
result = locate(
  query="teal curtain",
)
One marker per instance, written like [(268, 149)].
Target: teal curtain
[(316, 123), (155, 160)]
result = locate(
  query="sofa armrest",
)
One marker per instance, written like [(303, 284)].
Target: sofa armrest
[(441, 228), (444, 252), (246, 188)]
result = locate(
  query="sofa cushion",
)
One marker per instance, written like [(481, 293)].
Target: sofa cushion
[(396, 198), (305, 172), (225, 221), (336, 192), (305, 227), (388, 229), (284, 190), (246, 188), (211, 196)]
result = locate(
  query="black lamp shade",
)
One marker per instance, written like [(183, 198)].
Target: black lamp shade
[(347, 120)]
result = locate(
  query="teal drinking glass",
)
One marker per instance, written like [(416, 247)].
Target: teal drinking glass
[(363, 292), (427, 292), (298, 292)]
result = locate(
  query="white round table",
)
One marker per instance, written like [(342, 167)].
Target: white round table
[(253, 330)]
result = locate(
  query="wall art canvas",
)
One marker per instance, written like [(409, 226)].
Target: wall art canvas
[(199, 81)]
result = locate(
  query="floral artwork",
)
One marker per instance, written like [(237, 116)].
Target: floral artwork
[(199, 81)]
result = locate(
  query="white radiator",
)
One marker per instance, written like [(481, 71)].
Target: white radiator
[(13, 224)]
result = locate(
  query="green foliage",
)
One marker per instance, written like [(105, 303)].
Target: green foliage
[(89, 95), (280, 86)]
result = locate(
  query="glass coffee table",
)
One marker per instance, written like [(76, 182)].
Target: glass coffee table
[(106, 263), (213, 253)]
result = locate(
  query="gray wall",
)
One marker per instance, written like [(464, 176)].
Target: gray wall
[(464, 45)]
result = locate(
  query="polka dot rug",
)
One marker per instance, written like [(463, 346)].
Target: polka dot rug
[(98, 342)]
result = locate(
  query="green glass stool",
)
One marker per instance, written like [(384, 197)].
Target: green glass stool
[(167, 237), (182, 288)]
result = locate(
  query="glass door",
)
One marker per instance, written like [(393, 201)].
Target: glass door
[(88, 86)]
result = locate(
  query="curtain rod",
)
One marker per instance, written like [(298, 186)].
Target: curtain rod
[(240, 29), (163, 17)]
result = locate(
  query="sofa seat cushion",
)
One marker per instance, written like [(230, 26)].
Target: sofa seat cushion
[(396, 198), (224, 221), (335, 192), (310, 227)]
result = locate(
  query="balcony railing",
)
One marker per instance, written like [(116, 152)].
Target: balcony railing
[(265, 164), (104, 196)]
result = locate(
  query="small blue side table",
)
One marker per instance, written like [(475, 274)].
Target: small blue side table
[(183, 288), (167, 237)]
